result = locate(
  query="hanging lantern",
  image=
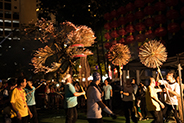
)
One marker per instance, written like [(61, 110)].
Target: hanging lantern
[(149, 22), (160, 6), (160, 19), (113, 14), (122, 31), (173, 27), (77, 45), (114, 24), (130, 39), (107, 45), (140, 38), (171, 2), (107, 36), (130, 17), (114, 42), (182, 25), (122, 21), (182, 11), (107, 16), (121, 10), (160, 32), (139, 15), (130, 7), (129, 28), (148, 1), (139, 3), (114, 34), (107, 26), (149, 10), (79, 55), (122, 41), (149, 34), (172, 14), (140, 26)]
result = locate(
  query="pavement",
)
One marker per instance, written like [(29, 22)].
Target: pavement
[(58, 116)]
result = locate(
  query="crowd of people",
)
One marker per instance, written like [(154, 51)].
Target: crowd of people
[(19, 99)]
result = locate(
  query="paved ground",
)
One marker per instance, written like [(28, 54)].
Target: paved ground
[(58, 116)]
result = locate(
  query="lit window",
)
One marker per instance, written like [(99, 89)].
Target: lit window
[(18, 38), (9, 46), (23, 48), (0, 45), (9, 21), (1, 20), (9, 38), (7, 29), (15, 21), (7, 12), (1, 29)]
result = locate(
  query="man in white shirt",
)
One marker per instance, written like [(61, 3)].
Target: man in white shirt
[(107, 92), (173, 91)]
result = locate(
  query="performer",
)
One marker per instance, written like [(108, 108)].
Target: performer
[(173, 91), (71, 100), (18, 101), (94, 101), (153, 103)]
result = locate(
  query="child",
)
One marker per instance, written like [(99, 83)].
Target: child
[(139, 108)]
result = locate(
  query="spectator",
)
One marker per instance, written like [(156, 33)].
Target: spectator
[(141, 93), (135, 87), (8, 114), (107, 90), (128, 101), (18, 101), (30, 95), (139, 108)]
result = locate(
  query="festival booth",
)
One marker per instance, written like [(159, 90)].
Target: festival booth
[(135, 67), (175, 62)]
